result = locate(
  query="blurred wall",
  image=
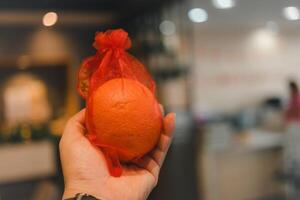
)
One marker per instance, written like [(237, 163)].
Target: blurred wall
[(241, 67), (53, 42)]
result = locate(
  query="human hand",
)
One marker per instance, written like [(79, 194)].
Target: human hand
[(85, 168)]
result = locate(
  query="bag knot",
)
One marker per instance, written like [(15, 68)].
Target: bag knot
[(116, 39)]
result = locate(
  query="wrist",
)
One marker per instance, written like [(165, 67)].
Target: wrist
[(70, 192), (83, 196)]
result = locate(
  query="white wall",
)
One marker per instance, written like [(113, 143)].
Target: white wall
[(238, 68)]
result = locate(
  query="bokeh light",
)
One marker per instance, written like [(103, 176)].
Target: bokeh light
[(50, 19), (197, 15), (223, 4), (291, 13), (167, 27)]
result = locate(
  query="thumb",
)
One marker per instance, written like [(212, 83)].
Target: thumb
[(75, 127)]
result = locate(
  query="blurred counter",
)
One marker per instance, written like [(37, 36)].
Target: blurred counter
[(255, 140), (26, 161), (242, 167), (28, 170)]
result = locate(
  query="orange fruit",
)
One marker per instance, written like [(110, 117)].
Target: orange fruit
[(125, 117)]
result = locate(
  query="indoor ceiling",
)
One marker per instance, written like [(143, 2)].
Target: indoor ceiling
[(84, 5), (244, 13), (248, 13), (122, 8)]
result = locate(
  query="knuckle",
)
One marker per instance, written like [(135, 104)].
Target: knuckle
[(69, 123)]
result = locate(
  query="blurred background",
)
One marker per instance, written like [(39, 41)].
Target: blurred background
[(228, 68)]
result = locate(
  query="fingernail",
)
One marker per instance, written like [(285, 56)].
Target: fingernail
[(162, 109), (172, 125), (169, 122), (174, 118)]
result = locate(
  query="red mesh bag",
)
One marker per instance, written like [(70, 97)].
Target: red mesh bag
[(110, 64)]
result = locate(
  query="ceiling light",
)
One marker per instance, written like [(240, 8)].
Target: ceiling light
[(167, 27), (223, 4), (50, 19), (291, 13), (197, 15)]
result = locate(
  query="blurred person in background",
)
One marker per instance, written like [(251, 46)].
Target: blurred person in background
[(293, 111)]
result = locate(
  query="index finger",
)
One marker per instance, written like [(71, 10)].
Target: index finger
[(159, 153)]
